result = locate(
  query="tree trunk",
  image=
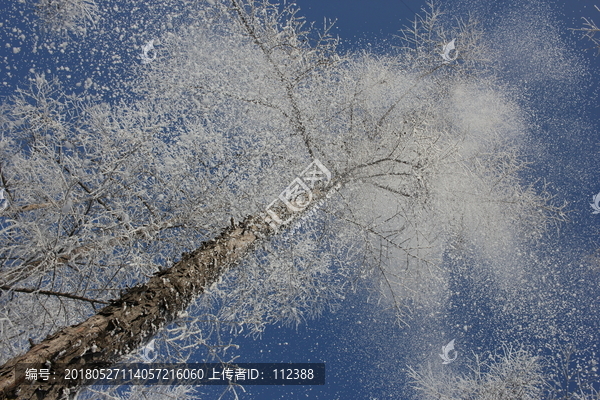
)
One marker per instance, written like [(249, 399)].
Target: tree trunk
[(129, 321)]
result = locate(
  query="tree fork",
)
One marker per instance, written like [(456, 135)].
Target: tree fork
[(137, 315)]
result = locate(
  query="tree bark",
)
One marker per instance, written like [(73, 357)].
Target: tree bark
[(137, 315)]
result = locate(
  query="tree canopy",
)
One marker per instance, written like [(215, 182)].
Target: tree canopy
[(187, 122)]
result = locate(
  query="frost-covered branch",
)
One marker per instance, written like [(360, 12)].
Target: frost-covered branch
[(589, 30), (508, 374), (52, 293), (67, 16)]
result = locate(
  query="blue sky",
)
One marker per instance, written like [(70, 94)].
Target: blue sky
[(358, 20), (363, 350)]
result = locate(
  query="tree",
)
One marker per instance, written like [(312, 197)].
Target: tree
[(423, 154), (508, 373)]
